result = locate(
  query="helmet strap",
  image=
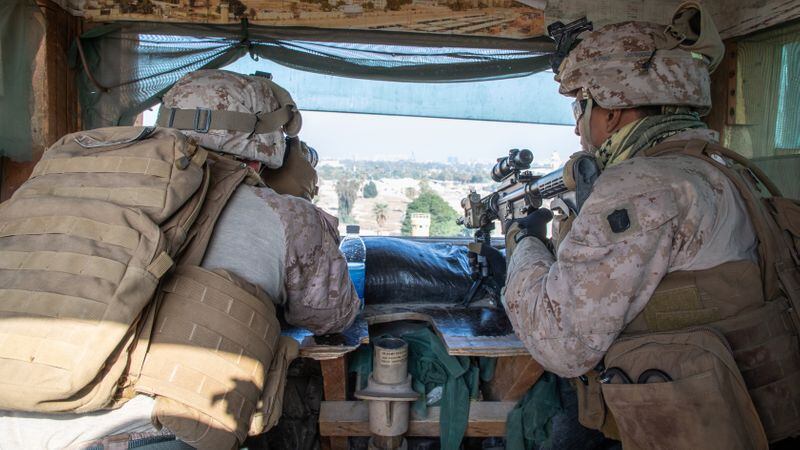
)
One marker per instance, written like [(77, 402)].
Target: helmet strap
[(586, 127)]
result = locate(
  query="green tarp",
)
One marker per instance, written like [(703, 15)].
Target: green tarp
[(126, 67), (529, 425)]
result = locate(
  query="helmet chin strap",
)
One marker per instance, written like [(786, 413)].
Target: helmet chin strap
[(585, 126)]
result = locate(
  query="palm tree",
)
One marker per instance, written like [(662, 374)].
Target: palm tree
[(347, 190), (380, 210)]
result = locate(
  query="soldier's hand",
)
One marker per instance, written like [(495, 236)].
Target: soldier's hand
[(494, 258), (534, 224)]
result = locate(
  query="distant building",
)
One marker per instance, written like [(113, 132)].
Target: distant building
[(420, 224), (330, 163)]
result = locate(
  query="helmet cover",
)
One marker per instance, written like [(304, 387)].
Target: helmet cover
[(623, 66), (221, 90)]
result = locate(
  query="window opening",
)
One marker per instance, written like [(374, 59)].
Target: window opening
[(787, 127), (404, 175)]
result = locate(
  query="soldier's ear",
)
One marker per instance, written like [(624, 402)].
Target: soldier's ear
[(612, 117)]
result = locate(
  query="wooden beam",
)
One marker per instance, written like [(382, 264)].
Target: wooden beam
[(334, 386), (513, 376), (61, 93), (55, 95), (723, 92), (486, 419)]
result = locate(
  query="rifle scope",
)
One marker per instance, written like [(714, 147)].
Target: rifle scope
[(516, 160)]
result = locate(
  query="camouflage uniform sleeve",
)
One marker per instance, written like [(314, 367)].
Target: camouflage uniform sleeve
[(319, 293), (568, 312)]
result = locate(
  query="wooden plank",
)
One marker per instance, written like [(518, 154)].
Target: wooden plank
[(723, 92), (55, 96), (513, 376), (732, 79), (472, 331), (334, 385), (334, 378), (486, 419), (60, 91)]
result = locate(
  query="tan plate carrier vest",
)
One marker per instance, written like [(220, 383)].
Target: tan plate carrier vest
[(682, 318), (88, 317)]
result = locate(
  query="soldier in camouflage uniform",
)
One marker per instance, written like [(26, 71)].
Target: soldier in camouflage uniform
[(615, 272), (275, 239), (648, 222)]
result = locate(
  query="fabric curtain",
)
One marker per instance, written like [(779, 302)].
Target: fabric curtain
[(767, 125), (126, 67), (21, 31)]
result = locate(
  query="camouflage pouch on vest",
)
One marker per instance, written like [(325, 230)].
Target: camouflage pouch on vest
[(679, 389), (213, 343)]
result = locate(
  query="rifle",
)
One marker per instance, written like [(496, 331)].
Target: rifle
[(519, 194), (565, 38)]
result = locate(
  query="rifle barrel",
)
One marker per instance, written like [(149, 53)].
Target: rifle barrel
[(548, 186)]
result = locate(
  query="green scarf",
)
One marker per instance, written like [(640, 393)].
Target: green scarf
[(644, 133)]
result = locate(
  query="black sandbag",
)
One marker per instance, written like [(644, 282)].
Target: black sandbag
[(406, 271)]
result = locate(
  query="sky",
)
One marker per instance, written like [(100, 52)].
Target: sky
[(373, 137), (366, 136)]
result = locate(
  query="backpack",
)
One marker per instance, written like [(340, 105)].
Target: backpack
[(83, 245)]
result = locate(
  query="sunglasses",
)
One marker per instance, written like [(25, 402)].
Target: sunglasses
[(579, 108)]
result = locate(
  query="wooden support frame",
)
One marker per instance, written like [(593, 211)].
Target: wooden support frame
[(55, 96), (486, 419), (724, 92), (513, 376), (334, 385)]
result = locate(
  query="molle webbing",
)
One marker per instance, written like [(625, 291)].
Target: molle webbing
[(730, 297), (698, 297), (779, 269), (210, 349), (192, 226), (81, 255), (151, 169), (72, 263), (139, 196), (105, 164), (76, 226)]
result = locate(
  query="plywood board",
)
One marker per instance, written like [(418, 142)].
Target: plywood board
[(473, 331), (501, 18), (513, 377)]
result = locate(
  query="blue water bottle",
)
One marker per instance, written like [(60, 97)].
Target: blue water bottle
[(355, 252)]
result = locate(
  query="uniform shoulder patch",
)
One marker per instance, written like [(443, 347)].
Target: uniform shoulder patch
[(619, 220)]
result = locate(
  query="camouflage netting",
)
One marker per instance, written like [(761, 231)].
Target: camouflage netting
[(126, 67)]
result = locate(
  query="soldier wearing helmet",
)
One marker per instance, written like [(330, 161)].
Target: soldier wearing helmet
[(658, 282), (210, 358)]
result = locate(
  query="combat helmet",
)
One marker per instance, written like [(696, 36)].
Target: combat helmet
[(632, 64), (248, 116)]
